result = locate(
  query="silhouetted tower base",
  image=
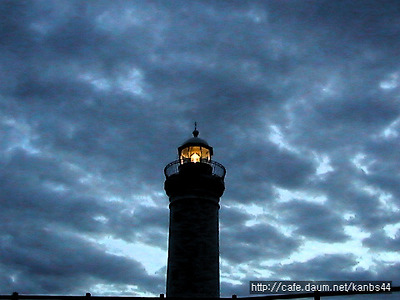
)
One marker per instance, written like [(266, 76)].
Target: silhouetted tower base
[(194, 185)]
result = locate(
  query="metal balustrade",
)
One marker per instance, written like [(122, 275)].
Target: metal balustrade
[(173, 168)]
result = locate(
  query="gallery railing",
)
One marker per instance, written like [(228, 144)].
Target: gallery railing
[(173, 168)]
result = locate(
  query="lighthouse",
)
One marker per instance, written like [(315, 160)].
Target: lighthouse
[(194, 184)]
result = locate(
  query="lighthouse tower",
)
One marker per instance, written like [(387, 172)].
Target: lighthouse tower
[(194, 184)]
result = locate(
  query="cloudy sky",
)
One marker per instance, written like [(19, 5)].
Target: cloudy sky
[(300, 100)]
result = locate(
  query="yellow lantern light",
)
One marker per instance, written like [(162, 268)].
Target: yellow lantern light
[(195, 150)]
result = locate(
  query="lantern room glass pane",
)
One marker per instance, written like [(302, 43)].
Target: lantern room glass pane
[(194, 154), (205, 154)]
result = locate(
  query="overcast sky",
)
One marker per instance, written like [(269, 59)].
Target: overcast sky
[(300, 100)]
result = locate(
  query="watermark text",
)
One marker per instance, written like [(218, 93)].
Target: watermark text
[(283, 287)]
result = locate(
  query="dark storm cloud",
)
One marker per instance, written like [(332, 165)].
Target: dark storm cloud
[(49, 195), (345, 190), (258, 165), (40, 260), (95, 97), (38, 238), (257, 242), (336, 267), (379, 240), (384, 165), (148, 224), (230, 216), (333, 266), (313, 221)]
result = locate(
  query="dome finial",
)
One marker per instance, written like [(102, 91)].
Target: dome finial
[(195, 131)]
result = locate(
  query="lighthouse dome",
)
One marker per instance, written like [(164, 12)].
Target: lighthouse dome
[(195, 150)]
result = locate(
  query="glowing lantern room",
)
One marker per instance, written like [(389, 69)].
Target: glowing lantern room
[(195, 150)]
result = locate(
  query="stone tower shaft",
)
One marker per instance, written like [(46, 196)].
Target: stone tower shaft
[(194, 185)]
